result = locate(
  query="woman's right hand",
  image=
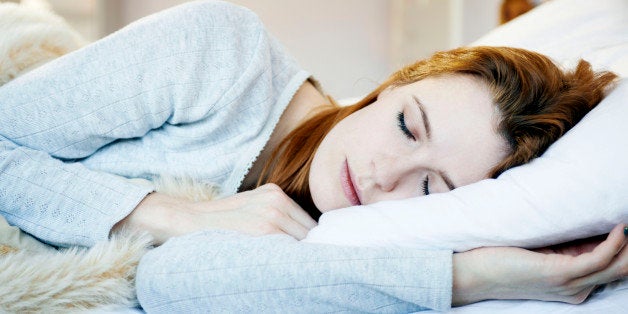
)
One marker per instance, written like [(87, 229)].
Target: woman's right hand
[(264, 210), (568, 274)]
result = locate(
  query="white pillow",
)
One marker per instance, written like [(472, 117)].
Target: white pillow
[(568, 30), (578, 188)]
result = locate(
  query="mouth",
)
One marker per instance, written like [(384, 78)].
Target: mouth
[(348, 186)]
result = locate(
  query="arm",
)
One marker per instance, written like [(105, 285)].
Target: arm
[(161, 70), (229, 272), (218, 271)]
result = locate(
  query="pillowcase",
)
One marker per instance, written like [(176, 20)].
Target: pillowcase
[(577, 189), (569, 30)]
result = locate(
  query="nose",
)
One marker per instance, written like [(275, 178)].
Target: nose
[(392, 171)]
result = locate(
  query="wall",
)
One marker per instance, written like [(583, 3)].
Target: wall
[(479, 16), (343, 43), (349, 45)]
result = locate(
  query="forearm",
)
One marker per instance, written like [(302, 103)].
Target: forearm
[(61, 203), (65, 111), (226, 271)]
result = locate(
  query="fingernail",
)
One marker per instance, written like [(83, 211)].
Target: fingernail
[(626, 230)]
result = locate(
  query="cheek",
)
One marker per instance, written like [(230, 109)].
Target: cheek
[(323, 171), (357, 138)]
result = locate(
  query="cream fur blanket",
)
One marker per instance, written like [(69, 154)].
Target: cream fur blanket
[(31, 36), (35, 277), (50, 281)]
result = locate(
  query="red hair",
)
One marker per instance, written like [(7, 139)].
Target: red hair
[(538, 103)]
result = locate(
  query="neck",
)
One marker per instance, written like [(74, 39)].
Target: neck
[(305, 101)]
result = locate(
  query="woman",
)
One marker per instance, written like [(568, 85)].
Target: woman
[(203, 91)]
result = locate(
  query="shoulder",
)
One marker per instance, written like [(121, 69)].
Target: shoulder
[(216, 12)]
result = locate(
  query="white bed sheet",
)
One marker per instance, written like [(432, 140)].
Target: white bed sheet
[(612, 299)]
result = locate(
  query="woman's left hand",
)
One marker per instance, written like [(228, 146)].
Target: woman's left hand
[(264, 210), (566, 273)]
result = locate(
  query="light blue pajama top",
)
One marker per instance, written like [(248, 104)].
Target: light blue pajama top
[(192, 91)]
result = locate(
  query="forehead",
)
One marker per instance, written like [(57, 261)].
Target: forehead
[(464, 123), (461, 91)]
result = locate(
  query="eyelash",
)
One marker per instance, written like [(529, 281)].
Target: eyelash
[(426, 189), (401, 123)]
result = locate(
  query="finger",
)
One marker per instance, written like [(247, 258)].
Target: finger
[(616, 270), (298, 220), (292, 208), (290, 226), (602, 256), (301, 216), (277, 221)]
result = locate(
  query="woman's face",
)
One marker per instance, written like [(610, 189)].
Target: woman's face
[(426, 137)]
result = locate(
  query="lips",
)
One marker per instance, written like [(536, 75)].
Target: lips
[(348, 186)]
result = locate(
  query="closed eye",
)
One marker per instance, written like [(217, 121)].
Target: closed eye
[(426, 189), (401, 123)]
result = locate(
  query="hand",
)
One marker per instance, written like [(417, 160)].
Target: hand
[(566, 274), (574, 248), (265, 210)]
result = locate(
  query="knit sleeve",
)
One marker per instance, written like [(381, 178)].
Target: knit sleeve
[(220, 271), (169, 68)]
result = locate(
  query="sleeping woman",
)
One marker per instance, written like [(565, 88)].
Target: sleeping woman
[(202, 91)]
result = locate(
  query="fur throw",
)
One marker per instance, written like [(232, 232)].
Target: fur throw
[(74, 279), (31, 36)]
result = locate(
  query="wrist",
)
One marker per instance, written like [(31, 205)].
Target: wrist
[(468, 286), (156, 215)]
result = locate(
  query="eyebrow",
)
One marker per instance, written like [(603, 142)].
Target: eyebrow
[(428, 133), (426, 120)]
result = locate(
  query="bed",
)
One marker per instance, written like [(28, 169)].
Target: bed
[(565, 30)]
